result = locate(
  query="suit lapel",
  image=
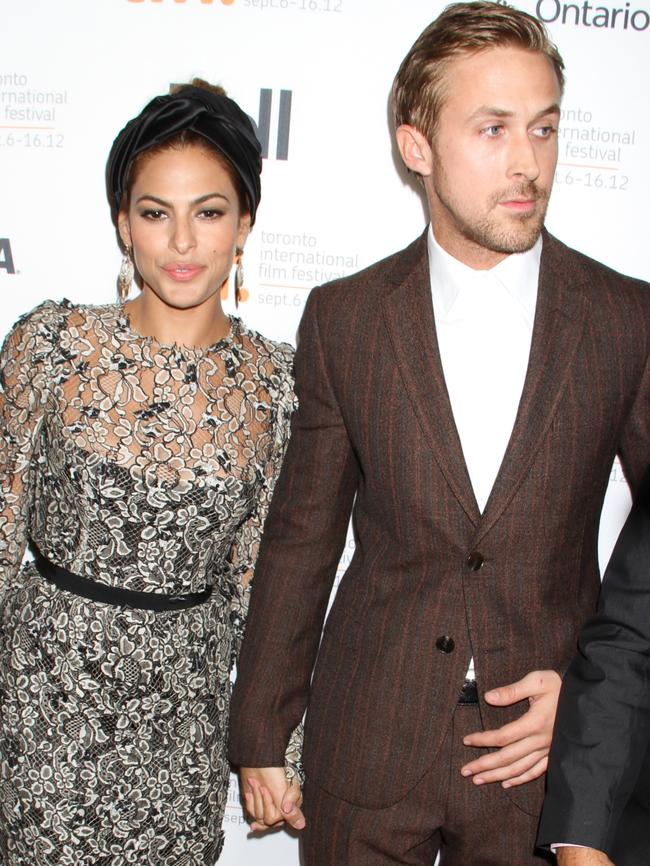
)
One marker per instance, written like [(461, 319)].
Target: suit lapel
[(408, 312), (557, 330)]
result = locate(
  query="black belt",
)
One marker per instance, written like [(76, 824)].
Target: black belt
[(115, 595), (468, 693)]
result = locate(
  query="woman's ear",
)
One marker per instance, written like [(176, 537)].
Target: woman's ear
[(415, 149), (244, 229), (124, 228)]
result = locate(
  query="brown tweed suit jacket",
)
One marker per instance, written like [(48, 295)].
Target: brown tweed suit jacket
[(375, 434)]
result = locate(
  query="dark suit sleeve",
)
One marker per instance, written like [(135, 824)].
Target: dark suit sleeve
[(602, 729), (301, 546), (634, 446)]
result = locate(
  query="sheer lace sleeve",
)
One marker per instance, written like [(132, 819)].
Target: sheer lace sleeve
[(243, 553), (26, 381), (293, 756)]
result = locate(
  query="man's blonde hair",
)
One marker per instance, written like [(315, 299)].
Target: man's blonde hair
[(462, 28)]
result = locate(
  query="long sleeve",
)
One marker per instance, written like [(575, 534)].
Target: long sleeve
[(602, 729), (302, 544), (25, 384)]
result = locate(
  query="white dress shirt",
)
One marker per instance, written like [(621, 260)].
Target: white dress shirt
[(484, 325)]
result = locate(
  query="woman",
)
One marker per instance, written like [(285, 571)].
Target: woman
[(140, 445)]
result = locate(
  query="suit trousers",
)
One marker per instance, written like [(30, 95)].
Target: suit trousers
[(445, 813)]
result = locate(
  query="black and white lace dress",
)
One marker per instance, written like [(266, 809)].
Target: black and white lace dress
[(146, 467)]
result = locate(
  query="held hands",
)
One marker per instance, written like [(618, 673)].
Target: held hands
[(270, 799), (523, 745), (582, 857)]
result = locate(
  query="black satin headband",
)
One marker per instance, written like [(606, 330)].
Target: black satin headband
[(216, 118)]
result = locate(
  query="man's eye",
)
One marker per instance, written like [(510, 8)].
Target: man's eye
[(545, 131)]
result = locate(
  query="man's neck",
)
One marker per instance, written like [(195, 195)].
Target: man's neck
[(468, 252)]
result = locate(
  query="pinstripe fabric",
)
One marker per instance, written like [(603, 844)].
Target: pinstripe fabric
[(442, 813), (375, 423)]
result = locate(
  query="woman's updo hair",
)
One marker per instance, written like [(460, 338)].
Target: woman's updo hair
[(181, 140), (195, 114)]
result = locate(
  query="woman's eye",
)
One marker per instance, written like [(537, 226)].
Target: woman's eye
[(152, 214), (211, 213)]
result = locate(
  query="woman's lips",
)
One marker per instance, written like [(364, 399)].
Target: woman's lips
[(182, 273)]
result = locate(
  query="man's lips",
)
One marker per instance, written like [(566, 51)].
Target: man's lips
[(182, 272), (520, 205)]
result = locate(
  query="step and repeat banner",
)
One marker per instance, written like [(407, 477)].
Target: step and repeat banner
[(315, 76)]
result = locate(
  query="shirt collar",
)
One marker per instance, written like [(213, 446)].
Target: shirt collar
[(518, 273)]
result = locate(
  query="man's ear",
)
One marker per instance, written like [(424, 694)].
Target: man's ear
[(124, 228), (415, 149)]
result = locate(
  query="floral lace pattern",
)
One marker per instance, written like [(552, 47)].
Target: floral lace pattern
[(147, 467)]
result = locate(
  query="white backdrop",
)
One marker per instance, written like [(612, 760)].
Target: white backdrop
[(315, 75)]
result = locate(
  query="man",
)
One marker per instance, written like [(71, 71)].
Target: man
[(464, 398), (599, 774)]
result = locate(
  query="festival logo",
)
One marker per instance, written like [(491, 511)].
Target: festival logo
[(594, 155), (30, 115)]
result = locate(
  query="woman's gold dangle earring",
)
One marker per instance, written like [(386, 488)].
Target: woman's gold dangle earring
[(125, 276)]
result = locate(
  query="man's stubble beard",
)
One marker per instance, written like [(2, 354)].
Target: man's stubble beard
[(487, 231)]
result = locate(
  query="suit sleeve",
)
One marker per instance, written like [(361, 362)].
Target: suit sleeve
[(301, 546), (634, 447), (602, 728)]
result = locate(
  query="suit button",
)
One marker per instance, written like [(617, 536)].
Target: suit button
[(475, 561), (445, 644)]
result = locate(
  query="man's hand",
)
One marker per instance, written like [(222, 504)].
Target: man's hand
[(582, 857), (271, 800), (523, 745)]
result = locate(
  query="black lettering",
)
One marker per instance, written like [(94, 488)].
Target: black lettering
[(615, 13), (555, 6), (646, 19), (284, 125), (565, 11), (263, 125), (601, 19), (6, 258)]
